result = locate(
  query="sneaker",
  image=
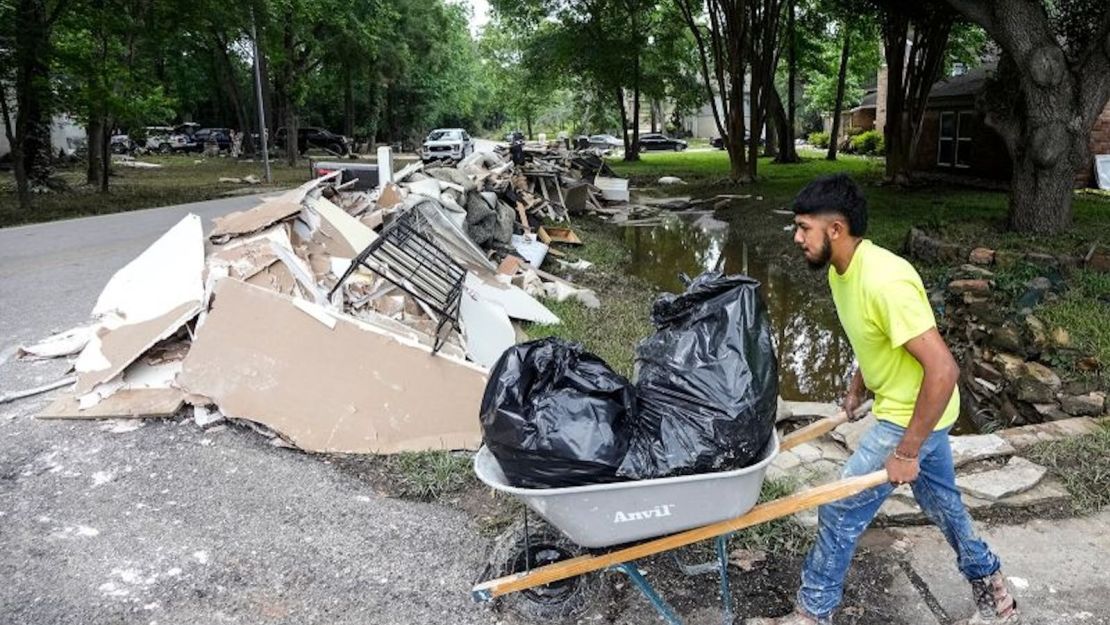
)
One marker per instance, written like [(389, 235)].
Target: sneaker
[(993, 602), (794, 618)]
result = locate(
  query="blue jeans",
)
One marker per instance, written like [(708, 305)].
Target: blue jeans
[(841, 523)]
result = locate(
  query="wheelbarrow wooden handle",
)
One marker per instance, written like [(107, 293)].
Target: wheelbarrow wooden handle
[(821, 427), (778, 508)]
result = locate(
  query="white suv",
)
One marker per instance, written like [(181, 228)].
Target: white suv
[(446, 144)]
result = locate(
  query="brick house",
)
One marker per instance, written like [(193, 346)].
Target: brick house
[(954, 139)]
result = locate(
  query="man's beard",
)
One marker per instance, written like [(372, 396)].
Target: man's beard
[(823, 257)]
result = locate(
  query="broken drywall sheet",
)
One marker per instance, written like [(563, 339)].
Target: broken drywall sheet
[(166, 275), (349, 389), (357, 236), (486, 328), (266, 214), (134, 403), (61, 344), (119, 347), (517, 303)]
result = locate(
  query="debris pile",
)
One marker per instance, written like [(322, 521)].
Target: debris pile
[(339, 320)]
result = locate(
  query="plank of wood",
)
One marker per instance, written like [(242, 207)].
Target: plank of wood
[(523, 217), (785, 506), (820, 427)]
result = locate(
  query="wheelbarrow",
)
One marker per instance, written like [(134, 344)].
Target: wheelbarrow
[(550, 575)]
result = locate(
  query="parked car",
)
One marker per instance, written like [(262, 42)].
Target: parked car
[(312, 137), (605, 142), (450, 144), (168, 139), (121, 144), (719, 143), (221, 136), (654, 141)]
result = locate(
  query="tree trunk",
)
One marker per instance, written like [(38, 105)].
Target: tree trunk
[(791, 81), (348, 102), (528, 123), (910, 77), (787, 151), (624, 121), (634, 153), (842, 77), (771, 146), (1040, 197), (229, 81), (105, 154), (32, 146), (95, 132)]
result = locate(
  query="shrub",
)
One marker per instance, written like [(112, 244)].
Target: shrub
[(819, 139), (852, 131), (870, 143)]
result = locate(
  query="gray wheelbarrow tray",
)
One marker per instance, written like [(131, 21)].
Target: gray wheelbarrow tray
[(602, 515)]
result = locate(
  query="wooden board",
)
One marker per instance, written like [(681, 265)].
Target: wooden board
[(552, 234)]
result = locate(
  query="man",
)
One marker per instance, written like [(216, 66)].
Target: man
[(883, 307)]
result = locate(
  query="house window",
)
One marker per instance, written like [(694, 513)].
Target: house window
[(955, 147)]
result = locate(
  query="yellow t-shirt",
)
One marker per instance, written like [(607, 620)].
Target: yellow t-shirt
[(882, 304)]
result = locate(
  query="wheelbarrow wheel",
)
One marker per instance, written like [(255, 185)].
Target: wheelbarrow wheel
[(564, 601)]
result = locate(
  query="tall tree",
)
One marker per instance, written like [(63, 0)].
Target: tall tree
[(787, 119), (764, 21), (838, 108), (28, 25), (1052, 82), (915, 42), (720, 30)]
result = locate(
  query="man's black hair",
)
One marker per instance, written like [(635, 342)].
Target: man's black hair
[(834, 194)]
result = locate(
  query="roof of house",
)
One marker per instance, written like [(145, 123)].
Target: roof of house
[(944, 91), (963, 86)]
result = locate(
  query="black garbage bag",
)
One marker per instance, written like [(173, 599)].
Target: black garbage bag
[(706, 383), (555, 415)]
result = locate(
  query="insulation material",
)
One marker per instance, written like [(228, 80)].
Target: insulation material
[(162, 278), (352, 388)]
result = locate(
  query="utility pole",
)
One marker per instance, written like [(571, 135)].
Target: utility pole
[(258, 97)]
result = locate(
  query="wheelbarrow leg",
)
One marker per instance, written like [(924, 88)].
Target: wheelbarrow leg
[(657, 602), (722, 562)]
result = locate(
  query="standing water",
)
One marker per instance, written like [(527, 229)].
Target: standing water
[(815, 357)]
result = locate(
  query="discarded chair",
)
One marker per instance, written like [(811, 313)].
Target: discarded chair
[(413, 263)]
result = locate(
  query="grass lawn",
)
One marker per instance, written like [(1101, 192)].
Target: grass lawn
[(181, 179)]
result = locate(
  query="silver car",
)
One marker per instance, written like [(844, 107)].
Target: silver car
[(446, 144), (606, 142)]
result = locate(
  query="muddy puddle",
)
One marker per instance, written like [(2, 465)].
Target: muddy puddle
[(815, 356)]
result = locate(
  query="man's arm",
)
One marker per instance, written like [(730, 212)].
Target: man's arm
[(941, 375)]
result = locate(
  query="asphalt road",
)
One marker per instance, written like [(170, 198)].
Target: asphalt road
[(172, 524)]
